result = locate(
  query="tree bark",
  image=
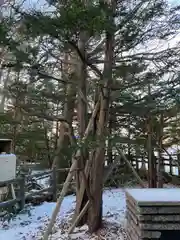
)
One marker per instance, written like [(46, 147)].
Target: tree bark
[(17, 115), (152, 169), (160, 166), (47, 145), (64, 142), (151, 158), (96, 172), (110, 150), (5, 85), (69, 176), (82, 123)]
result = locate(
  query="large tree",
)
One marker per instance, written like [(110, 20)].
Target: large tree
[(99, 44)]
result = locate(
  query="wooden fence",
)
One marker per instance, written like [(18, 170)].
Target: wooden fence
[(22, 196), (169, 165)]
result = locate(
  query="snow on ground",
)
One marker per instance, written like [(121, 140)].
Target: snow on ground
[(44, 182), (29, 226)]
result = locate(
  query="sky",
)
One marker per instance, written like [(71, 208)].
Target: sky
[(174, 2), (41, 4)]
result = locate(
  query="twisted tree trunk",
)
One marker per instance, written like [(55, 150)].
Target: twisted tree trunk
[(81, 197), (96, 172)]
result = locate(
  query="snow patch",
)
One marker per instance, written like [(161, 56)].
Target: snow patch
[(30, 226), (155, 194)]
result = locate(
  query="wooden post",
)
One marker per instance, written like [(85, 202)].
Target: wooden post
[(12, 191), (54, 184), (22, 192), (178, 160)]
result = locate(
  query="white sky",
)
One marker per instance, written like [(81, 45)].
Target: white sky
[(42, 4)]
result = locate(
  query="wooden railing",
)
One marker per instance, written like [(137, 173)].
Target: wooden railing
[(22, 195)]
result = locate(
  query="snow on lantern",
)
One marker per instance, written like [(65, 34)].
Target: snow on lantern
[(7, 161)]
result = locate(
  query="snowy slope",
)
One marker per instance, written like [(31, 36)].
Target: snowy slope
[(29, 227)]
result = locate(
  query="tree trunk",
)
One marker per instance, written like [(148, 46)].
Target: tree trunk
[(47, 145), (65, 153), (129, 136), (5, 85), (110, 150), (96, 171), (152, 169), (82, 124), (151, 158), (160, 166), (69, 176), (17, 115)]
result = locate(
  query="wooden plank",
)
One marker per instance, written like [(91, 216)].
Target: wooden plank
[(154, 197), (40, 198), (8, 203), (151, 217), (48, 189), (132, 205), (136, 231), (22, 193), (154, 210), (154, 218), (130, 199), (133, 227), (145, 229), (160, 210), (2, 184), (36, 175), (132, 208), (160, 226), (131, 236), (63, 169), (133, 217)]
